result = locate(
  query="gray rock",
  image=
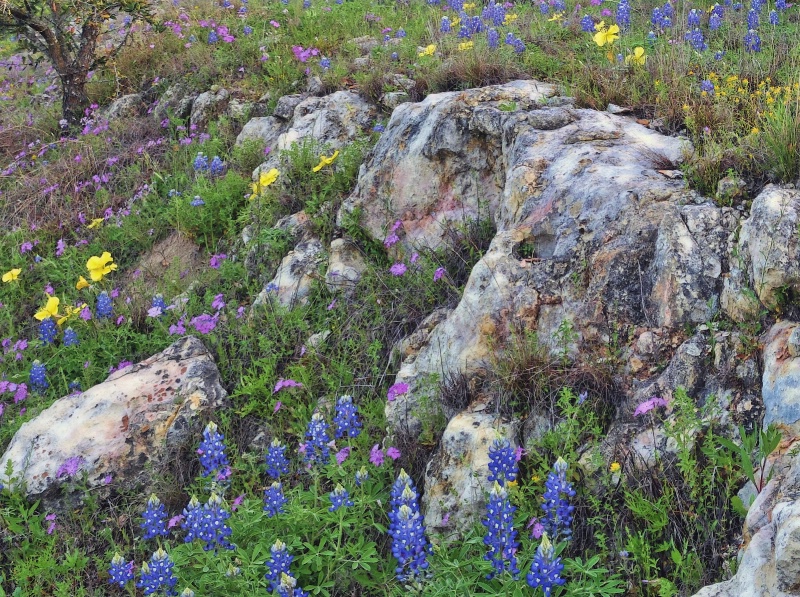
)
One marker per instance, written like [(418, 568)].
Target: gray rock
[(770, 245), (345, 266), (264, 128), (393, 99), (781, 379), (286, 105), (128, 426), (127, 106), (365, 44), (296, 275), (208, 106), (177, 101)]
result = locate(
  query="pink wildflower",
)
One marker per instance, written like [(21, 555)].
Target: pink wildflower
[(398, 269), (393, 453), (204, 323), (286, 383), (648, 405), (376, 455), (342, 455), (396, 390)]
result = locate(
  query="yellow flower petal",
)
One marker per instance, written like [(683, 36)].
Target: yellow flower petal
[(95, 223), (325, 161), (11, 275), (100, 266), (82, 283), (49, 310)]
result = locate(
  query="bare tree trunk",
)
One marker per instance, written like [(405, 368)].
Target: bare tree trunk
[(74, 99)]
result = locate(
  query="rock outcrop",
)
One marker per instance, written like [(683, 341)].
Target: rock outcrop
[(141, 416)]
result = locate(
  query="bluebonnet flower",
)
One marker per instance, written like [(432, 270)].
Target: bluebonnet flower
[(398, 488), (668, 10), (217, 166), (70, 337), (306, 3), (718, 10), (651, 38), (247, 30), (502, 462), (774, 19), (48, 330), (214, 529), (409, 545), (192, 521), (493, 38), (325, 63), (544, 8), (463, 32), (361, 476), (456, 5), (213, 37), (395, 56), (339, 497), (346, 420), (719, 55), (120, 572), (378, 128), (501, 538), (693, 19), (155, 519), (157, 575), (279, 562), (558, 511), (499, 15), (781, 5), (757, 5), (696, 40), (714, 22), (274, 500), (37, 378), (74, 387), (212, 452), (103, 307), (277, 463), (401, 33), (737, 6), (666, 22), (288, 587), (445, 26), (587, 23), (624, 15), (158, 301), (317, 449), (707, 86), (545, 570), (752, 42), (200, 163), (752, 19), (559, 5)]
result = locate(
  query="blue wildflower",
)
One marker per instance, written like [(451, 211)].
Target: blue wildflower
[(707, 87), (192, 521), (214, 529), (274, 500), (445, 26), (247, 30), (545, 570), (401, 33), (409, 545), (120, 572), (668, 10), (212, 453), (70, 337), (48, 330), (325, 63), (558, 511), (714, 22), (463, 32), (781, 5), (559, 5), (103, 307), (217, 166), (288, 587), (719, 55), (157, 575), (493, 38), (212, 37), (544, 8), (752, 42), (502, 462), (37, 378), (774, 19), (279, 562), (624, 15), (587, 24), (752, 19), (158, 301), (200, 163), (696, 40), (395, 56), (693, 19), (277, 463), (346, 420), (317, 450), (500, 534), (306, 3), (339, 498), (155, 519), (361, 476)]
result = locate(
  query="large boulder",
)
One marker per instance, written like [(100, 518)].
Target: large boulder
[(128, 426), (208, 106), (781, 378)]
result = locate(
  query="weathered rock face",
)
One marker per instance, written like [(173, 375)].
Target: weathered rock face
[(296, 275), (127, 106), (345, 266), (333, 120), (769, 244), (177, 100), (145, 413), (769, 563), (456, 479), (781, 379), (592, 225), (208, 106)]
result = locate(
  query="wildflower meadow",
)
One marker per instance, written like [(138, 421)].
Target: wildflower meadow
[(124, 234)]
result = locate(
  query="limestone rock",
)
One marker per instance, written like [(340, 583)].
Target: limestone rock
[(141, 415), (770, 244), (781, 379), (456, 478), (345, 266), (127, 106), (295, 276), (263, 128), (177, 101), (208, 106)]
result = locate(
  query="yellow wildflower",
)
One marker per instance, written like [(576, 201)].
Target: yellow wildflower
[(469, 6), (615, 467), (69, 312), (536, 478), (428, 51), (82, 283), (467, 45), (326, 161), (754, 131), (512, 484), (556, 17), (95, 223), (637, 58), (11, 275), (510, 18), (606, 36), (264, 180), (49, 310), (100, 266)]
